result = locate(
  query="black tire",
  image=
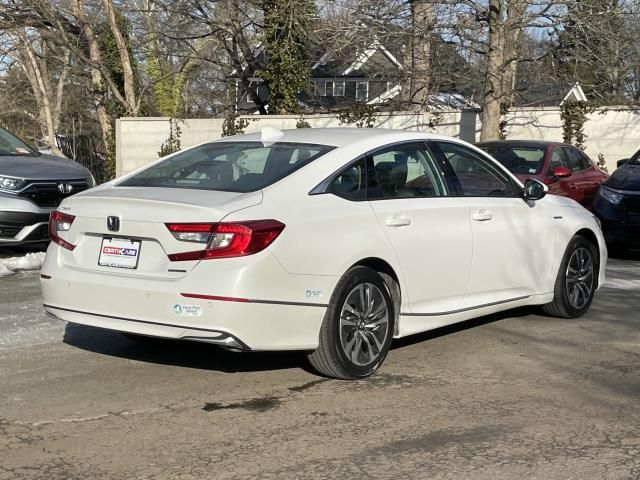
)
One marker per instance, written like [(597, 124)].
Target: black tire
[(562, 305), (330, 358)]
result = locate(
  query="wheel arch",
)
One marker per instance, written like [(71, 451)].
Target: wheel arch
[(591, 237), (391, 279)]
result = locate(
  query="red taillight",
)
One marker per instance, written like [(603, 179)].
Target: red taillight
[(60, 222), (226, 239)]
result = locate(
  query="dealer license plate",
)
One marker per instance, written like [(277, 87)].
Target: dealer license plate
[(119, 253)]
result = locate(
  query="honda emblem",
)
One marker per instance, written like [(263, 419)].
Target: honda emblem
[(113, 224), (65, 188)]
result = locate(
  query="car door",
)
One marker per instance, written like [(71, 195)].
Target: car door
[(429, 231), (580, 182), (560, 186), (591, 178), (513, 240)]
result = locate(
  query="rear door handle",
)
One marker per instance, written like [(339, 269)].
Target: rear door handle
[(398, 221), (482, 216)]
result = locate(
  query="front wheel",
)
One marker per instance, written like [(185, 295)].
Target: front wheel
[(576, 281), (358, 327)]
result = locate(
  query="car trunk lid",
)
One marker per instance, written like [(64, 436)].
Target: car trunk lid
[(142, 215)]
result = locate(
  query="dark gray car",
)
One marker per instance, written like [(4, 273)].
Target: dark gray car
[(31, 185)]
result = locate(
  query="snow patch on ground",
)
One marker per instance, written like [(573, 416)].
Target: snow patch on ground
[(30, 261)]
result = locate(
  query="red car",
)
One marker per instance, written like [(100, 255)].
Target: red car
[(567, 170)]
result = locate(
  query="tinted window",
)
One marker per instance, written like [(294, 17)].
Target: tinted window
[(518, 159), (636, 158), (471, 175), (351, 183), (405, 171), (576, 161), (228, 166)]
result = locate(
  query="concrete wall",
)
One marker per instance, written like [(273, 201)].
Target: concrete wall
[(614, 133)]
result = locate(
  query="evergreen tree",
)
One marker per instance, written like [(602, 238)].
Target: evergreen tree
[(287, 51)]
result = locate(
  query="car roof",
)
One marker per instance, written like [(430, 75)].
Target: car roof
[(336, 137), (522, 143)]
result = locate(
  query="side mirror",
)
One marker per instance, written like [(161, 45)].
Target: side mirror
[(534, 190), (619, 163), (561, 172)]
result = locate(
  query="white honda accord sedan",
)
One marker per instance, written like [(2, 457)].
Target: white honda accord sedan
[(333, 241)]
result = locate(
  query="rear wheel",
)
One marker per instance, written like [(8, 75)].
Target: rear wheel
[(358, 327), (576, 281)]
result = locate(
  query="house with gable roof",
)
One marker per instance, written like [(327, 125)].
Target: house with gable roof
[(370, 75)]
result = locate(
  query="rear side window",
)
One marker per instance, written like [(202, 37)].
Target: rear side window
[(228, 166), (351, 183)]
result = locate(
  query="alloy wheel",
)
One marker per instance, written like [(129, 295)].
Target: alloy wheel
[(579, 277), (364, 324)]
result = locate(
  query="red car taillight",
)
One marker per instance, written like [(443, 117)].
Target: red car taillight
[(60, 222), (225, 239)]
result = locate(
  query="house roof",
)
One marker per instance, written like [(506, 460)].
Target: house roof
[(575, 94)]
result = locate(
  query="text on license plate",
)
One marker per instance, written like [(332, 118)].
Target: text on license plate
[(119, 252)]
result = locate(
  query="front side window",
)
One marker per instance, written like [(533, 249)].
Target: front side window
[(469, 174), (557, 160), (575, 160), (228, 166), (338, 89), (405, 171), (320, 89)]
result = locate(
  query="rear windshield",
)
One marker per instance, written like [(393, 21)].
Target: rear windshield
[(518, 159), (228, 166)]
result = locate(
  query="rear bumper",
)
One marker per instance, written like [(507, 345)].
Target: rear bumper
[(142, 327), (255, 306)]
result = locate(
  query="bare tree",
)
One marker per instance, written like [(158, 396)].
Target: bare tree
[(422, 25), (46, 67)]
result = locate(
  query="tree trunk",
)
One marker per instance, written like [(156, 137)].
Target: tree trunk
[(514, 27), (493, 77), (36, 72), (422, 22), (96, 75), (125, 59)]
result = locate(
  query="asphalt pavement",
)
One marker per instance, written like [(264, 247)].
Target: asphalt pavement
[(511, 396)]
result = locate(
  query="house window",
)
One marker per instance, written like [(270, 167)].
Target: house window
[(362, 91), (329, 89), (320, 89), (338, 89)]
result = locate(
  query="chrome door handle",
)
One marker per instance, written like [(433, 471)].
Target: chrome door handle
[(398, 221), (481, 216)]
